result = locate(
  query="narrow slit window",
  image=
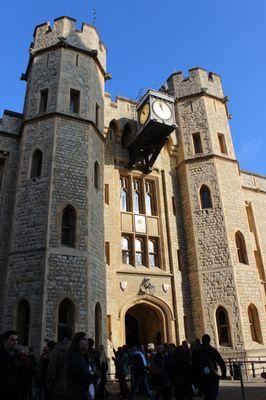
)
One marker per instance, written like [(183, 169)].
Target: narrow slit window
[(77, 60), (97, 113), (74, 101), (106, 193), (107, 253), (43, 100)]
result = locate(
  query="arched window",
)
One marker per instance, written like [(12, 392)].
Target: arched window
[(124, 193), (150, 198), (36, 165), (23, 322), (241, 248), (96, 175), (139, 251), (126, 249), (68, 228), (66, 316), (136, 196), (254, 324), (205, 197), (153, 253), (98, 325), (223, 327)]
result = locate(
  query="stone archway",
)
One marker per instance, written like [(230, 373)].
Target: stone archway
[(147, 320), (143, 325)]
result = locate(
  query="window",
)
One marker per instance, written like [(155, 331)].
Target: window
[(97, 113), (179, 260), (197, 143), (96, 175), (124, 193), (36, 165), (241, 248), (136, 196), (254, 324), (173, 205), (77, 60), (222, 143), (250, 216), (214, 105), (153, 252), (98, 325), (2, 168), (43, 101), (66, 316), (107, 253), (48, 59), (23, 322), (106, 193), (191, 105), (74, 101), (205, 197), (149, 198), (126, 250), (68, 227), (223, 327), (139, 251)]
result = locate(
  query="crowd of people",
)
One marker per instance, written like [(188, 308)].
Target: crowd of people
[(75, 370)]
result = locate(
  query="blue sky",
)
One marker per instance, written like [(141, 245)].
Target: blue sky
[(148, 40)]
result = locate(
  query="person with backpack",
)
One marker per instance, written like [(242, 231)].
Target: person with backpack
[(208, 359)]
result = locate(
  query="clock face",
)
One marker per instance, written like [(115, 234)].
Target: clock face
[(161, 109), (144, 114)]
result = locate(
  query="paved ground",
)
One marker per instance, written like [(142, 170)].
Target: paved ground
[(229, 390)]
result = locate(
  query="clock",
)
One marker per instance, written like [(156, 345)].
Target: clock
[(144, 114), (162, 110)]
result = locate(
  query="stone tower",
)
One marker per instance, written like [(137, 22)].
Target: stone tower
[(217, 236), (56, 270)]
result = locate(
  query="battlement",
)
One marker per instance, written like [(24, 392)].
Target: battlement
[(11, 122), (198, 80), (65, 30)]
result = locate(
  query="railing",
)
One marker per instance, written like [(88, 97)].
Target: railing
[(244, 370)]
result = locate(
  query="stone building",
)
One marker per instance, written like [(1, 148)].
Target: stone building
[(126, 254)]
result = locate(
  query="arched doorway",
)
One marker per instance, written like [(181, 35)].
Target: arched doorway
[(66, 316), (144, 324), (23, 322)]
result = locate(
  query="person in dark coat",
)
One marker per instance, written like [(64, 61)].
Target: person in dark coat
[(13, 368), (79, 375), (207, 360), (183, 369), (56, 372)]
